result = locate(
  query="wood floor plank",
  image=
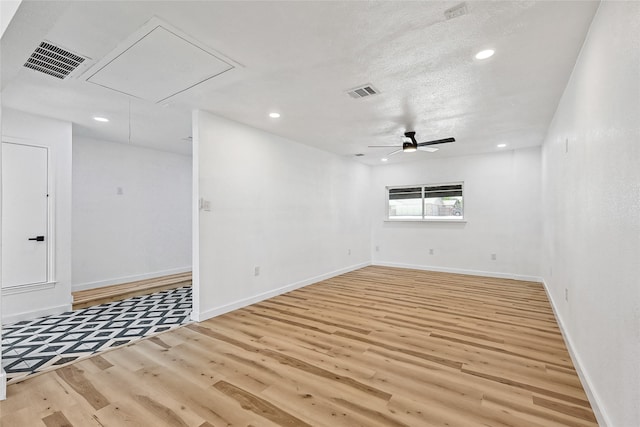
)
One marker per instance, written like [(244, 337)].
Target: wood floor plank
[(57, 419), (374, 347), (250, 402), (76, 379)]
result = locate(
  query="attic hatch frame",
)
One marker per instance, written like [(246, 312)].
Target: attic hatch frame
[(139, 36)]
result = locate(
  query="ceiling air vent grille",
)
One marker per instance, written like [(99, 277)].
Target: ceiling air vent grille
[(362, 91), (53, 60)]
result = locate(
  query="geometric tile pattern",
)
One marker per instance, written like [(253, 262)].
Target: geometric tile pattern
[(46, 343)]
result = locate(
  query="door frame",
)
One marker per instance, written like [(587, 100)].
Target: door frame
[(50, 281)]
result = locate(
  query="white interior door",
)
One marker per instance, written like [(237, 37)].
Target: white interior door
[(24, 214)]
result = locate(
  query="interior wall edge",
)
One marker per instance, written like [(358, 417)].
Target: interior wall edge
[(217, 311), (3, 384), (34, 314), (127, 279), (496, 274), (587, 384), (195, 215)]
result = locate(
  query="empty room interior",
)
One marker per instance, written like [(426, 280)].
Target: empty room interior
[(320, 213)]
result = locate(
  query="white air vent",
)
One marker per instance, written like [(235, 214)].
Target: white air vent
[(362, 91), (456, 11), (54, 60)]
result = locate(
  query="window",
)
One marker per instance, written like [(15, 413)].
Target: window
[(426, 202)]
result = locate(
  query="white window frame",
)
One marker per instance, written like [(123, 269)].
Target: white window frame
[(423, 219)]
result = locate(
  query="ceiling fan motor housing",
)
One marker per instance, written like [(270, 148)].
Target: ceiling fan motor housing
[(409, 147)]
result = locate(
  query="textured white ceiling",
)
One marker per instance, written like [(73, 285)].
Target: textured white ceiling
[(299, 58)]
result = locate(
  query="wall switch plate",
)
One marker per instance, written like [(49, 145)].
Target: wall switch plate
[(430, 251), (119, 191), (566, 294), (256, 270), (377, 248), (493, 257)]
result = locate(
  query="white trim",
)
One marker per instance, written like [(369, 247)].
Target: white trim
[(217, 311), (31, 287), (3, 384), (426, 221), (423, 219), (127, 279), (30, 315), (595, 401), (461, 271)]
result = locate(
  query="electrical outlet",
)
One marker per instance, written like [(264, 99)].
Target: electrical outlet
[(256, 270), (566, 294), (349, 252), (119, 191), (430, 251), (377, 248), (205, 205), (493, 257), (566, 145)]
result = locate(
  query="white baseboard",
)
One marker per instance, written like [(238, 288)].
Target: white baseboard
[(34, 314), (217, 311), (461, 271), (3, 384), (127, 279), (596, 403)]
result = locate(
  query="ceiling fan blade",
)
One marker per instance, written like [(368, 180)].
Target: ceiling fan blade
[(394, 152), (383, 146), (437, 141), (428, 149)]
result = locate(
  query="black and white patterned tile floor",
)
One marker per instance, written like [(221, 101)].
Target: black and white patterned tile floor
[(45, 343)]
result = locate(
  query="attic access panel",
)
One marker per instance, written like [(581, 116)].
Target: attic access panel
[(157, 63)]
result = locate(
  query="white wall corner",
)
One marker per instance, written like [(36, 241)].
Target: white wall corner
[(594, 399), (3, 384), (218, 311)]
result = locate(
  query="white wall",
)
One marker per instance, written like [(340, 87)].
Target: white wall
[(3, 374), (591, 199), (501, 207), (8, 9), (143, 232), (292, 210), (30, 129)]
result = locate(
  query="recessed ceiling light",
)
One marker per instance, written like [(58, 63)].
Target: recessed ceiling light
[(484, 54), (384, 160), (274, 115), (502, 145), (100, 119)]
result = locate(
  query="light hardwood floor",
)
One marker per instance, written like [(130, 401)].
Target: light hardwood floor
[(105, 294), (375, 347)]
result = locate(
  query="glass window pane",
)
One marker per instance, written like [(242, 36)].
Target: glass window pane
[(405, 203), (447, 207)]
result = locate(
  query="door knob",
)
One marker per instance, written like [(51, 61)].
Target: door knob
[(37, 238)]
